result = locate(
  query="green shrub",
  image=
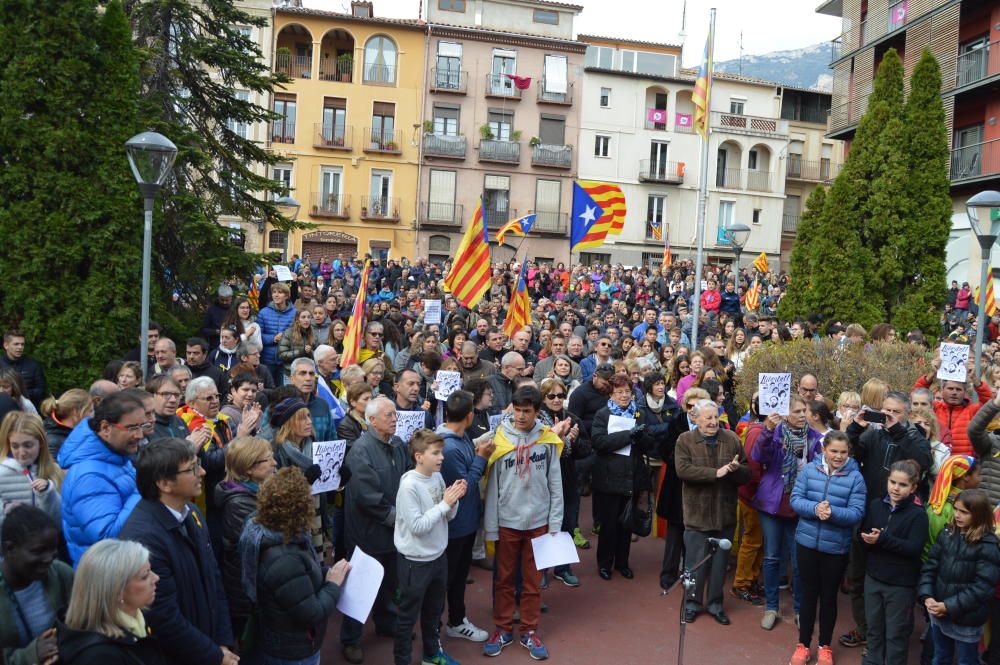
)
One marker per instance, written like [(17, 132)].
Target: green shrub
[(838, 369)]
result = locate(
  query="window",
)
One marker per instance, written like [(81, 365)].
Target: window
[(555, 83), (452, 5), (441, 198), (655, 205), (756, 215), (283, 128), (239, 127), (752, 159), (446, 120), (380, 193), (795, 149), (590, 258), (548, 194), (727, 217), (605, 98), (237, 236), (658, 151), (504, 62), (501, 123), (824, 162), (601, 57), (439, 248), (383, 125), (546, 16), (628, 61), (602, 145), (448, 73), (277, 240), (552, 130), (334, 121), (380, 60), (282, 174), (246, 32), (736, 106), (655, 63), (496, 200)]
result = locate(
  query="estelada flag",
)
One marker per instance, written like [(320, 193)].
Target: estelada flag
[(761, 264), (991, 305), (598, 210), (356, 324), (519, 310)]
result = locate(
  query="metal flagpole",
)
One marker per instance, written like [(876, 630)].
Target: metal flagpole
[(703, 185)]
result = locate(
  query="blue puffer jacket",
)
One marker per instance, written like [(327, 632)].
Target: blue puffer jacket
[(844, 489), (98, 493), (273, 322)]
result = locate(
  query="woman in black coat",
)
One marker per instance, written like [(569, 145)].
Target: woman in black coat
[(617, 475)]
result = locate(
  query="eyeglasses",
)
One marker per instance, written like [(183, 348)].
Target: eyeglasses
[(556, 396), (375, 334), (131, 429), (193, 469), (264, 460), (168, 394)]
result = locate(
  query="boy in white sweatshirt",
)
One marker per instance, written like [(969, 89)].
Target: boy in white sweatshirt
[(423, 509)]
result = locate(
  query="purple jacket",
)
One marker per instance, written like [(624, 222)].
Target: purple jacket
[(769, 452)]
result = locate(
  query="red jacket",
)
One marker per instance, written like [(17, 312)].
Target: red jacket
[(711, 301), (956, 417)]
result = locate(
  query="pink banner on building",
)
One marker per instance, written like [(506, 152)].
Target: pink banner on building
[(657, 116), (683, 120)]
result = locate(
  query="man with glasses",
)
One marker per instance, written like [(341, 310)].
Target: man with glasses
[(471, 365), (99, 492), (808, 387), (600, 356), (189, 614)]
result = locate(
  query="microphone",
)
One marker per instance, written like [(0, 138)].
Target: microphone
[(723, 544)]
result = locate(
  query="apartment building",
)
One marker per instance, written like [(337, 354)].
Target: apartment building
[(349, 126), (485, 137)]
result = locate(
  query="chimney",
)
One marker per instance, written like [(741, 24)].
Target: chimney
[(362, 9)]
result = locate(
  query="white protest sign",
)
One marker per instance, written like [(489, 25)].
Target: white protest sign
[(283, 273), (775, 393), (329, 455), (553, 550), (953, 359), (357, 595), (447, 383), (432, 311), (621, 424), (407, 423)]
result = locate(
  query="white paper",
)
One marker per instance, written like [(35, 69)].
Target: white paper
[(448, 382), (953, 359), (330, 457), (408, 423), (432, 311), (554, 550), (283, 273), (357, 596), (775, 393), (621, 424), (495, 421)]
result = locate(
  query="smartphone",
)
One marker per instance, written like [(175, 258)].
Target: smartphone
[(875, 417)]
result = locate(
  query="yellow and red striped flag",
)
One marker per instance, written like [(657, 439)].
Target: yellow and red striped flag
[(253, 294), (761, 264), (469, 277), (752, 300), (598, 211), (518, 227), (519, 310), (356, 324), (991, 304), (668, 258), (702, 96)]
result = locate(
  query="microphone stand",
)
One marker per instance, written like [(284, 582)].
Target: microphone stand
[(687, 579)]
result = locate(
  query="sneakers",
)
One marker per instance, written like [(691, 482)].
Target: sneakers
[(801, 655), (497, 642), (747, 595), (466, 630), (353, 654), (567, 578), (852, 639), (824, 656), (534, 646), (783, 584), (596, 529), (770, 618), (579, 540), (796, 619), (440, 658)]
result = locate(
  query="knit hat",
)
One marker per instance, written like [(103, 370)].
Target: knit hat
[(953, 468), (225, 291), (284, 410)]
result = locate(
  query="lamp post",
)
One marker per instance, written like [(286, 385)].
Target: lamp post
[(737, 235), (151, 157), (289, 208), (984, 217)]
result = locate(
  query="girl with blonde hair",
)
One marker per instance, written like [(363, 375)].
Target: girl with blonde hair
[(27, 473)]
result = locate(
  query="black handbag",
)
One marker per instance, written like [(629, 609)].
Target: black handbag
[(637, 516)]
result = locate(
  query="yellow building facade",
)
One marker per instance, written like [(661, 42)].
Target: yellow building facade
[(350, 129)]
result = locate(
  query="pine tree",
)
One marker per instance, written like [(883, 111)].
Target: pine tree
[(801, 300), (70, 214), (923, 287)]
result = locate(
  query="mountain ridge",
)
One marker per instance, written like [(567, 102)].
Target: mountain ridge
[(806, 67)]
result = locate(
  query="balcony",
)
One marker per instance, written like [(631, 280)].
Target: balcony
[(449, 147), (729, 178), (379, 74), (498, 85), (561, 98), (283, 131), (752, 125), (338, 69), (554, 156), (506, 152), (449, 81), (332, 137), (334, 206), (296, 66), (975, 66), (550, 222), (657, 126), (381, 141), (812, 171), (671, 173), (496, 216), (380, 208), (760, 181), (976, 162), (789, 223), (441, 214)]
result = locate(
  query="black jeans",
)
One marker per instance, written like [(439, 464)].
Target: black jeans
[(673, 552), (459, 554), (421, 591), (819, 576), (615, 541)]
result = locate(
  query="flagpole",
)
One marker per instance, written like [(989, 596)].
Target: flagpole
[(703, 187)]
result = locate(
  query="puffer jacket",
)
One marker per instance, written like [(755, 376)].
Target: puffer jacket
[(99, 491), (272, 322), (289, 350), (962, 575), (957, 417), (710, 501), (55, 435), (614, 473), (84, 647), (987, 447), (844, 489), (15, 487), (237, 501)]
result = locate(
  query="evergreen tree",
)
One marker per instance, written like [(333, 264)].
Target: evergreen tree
[(70, 214), (801, 299), (922, 287)]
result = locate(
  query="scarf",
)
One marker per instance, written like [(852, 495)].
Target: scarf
[(300, 458), (134, 625), (794, 443), (623, 411), (510, 439), (656, 405), (250, 544), (953, 468), (251, 485)]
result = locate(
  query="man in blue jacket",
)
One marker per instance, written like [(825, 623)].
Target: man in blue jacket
[(190, 614), (99, 491), (463, 460)]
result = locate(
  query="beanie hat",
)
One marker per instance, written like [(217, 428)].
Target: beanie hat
[(225, 291), (284, 410)]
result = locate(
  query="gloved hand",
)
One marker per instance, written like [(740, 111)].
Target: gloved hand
[(638, 432), (312, 474)]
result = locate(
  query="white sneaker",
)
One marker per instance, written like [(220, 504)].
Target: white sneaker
[(468, 631)]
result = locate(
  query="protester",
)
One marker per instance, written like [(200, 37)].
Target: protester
[(63, 414), (28, 475)]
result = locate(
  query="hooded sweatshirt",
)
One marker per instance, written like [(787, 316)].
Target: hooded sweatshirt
[(524, 490)]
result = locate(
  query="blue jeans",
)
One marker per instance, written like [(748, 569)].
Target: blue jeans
[(779, 547), (311, 660), (945, 648)]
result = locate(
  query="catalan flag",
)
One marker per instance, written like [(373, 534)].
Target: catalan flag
[(519, 310), (518, 227), (668, 258), (598, 210), (253, 293), (702, 96), (469, 277), (991, 304), (356, 324), (753, 296), (656, 228), (761, 264)]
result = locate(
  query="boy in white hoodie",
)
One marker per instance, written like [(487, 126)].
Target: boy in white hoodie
[(423, 509)]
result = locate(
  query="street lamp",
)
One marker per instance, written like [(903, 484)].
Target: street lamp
[(288, 206), (151, 157), (984, 217), (737, 235)]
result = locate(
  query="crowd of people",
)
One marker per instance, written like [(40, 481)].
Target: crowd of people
[(166, 513)]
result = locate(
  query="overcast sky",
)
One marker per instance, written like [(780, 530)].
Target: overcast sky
[(767, 25)]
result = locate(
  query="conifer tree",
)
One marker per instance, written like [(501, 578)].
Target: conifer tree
[(801, 298)]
